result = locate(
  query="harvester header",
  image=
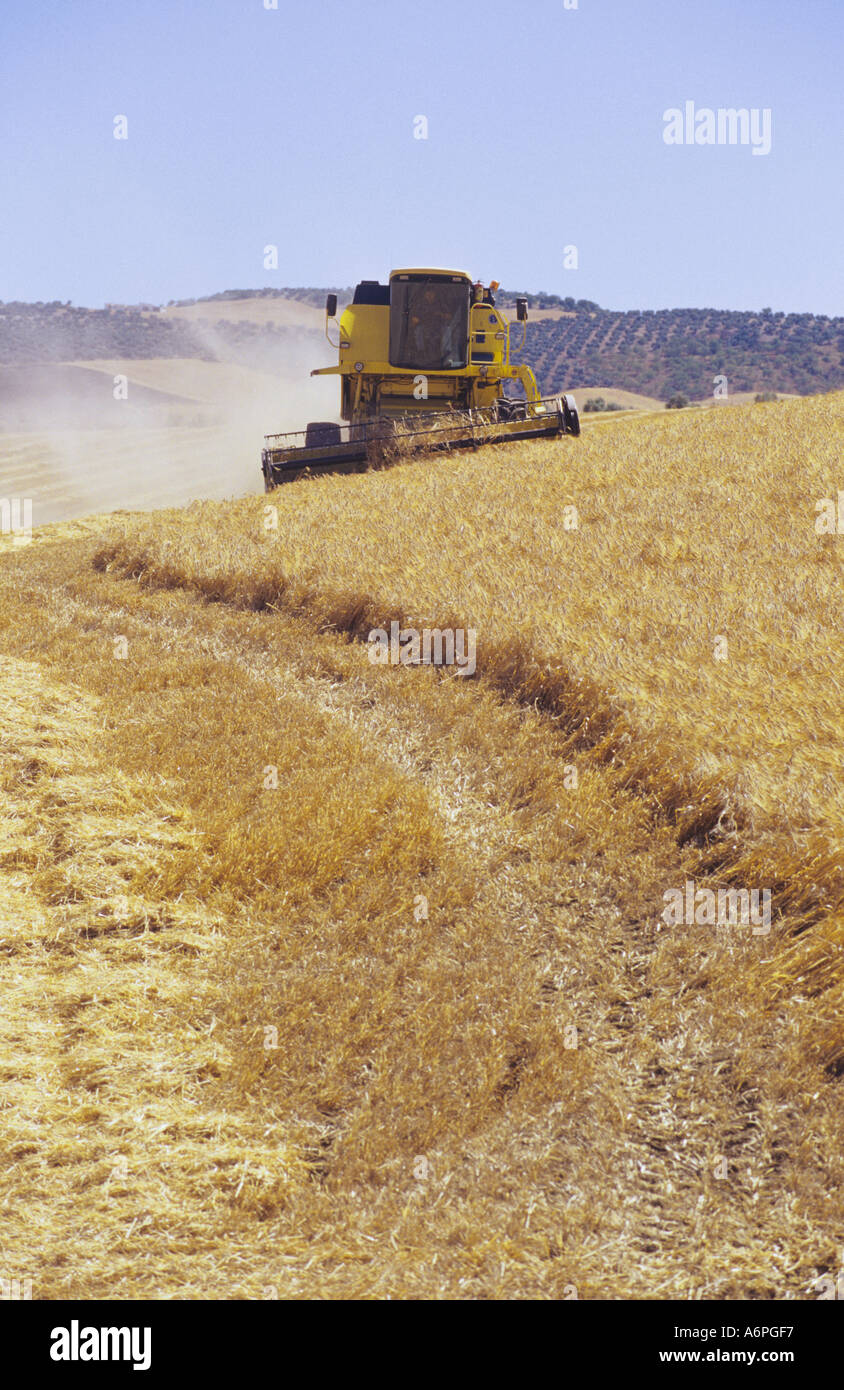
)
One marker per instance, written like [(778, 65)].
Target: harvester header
[(428, 357)]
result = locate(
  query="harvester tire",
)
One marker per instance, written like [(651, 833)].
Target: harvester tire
[(570, 415), (322, 434)]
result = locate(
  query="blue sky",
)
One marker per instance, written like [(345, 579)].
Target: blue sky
[(294, 127)]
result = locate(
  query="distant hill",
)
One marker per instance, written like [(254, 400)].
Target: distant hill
[(652, 353), (312, 295), (659, 353), (58, 332)]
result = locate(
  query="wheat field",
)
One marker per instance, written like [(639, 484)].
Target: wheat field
[(327, 978)]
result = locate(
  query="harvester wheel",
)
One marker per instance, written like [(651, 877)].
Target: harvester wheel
[(570, 415), (322, 434)]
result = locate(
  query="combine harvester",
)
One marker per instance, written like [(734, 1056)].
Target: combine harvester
[(425, 363)]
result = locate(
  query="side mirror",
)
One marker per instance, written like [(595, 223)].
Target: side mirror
[(521, 310), (331, 305)]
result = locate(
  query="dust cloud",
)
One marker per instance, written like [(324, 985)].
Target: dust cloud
[(77, 443)]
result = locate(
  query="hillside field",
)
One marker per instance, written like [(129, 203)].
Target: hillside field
[(331, 978)]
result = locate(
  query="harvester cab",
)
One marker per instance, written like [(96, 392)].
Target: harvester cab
[(427, 357)]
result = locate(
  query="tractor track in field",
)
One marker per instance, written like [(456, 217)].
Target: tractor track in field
[(681, 1110)]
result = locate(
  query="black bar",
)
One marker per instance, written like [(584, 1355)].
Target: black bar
[(239, 1338)]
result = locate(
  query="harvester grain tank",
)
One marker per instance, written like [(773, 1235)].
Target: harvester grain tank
[(426, 359)]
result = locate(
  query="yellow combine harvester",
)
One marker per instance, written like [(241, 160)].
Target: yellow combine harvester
[(425, 363)]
